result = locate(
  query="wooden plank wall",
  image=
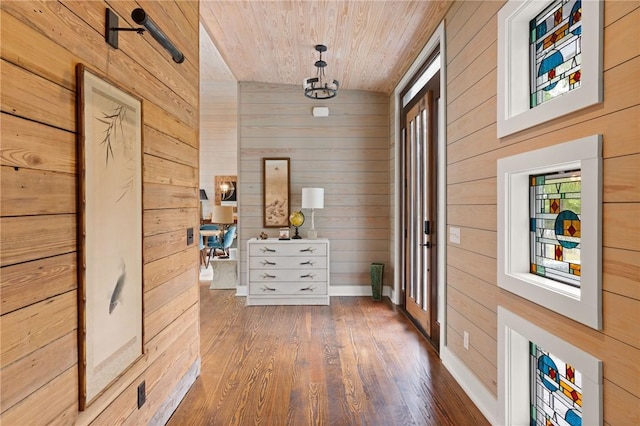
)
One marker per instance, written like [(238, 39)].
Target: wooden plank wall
[(346, 154), (42, 41), (473, 149)]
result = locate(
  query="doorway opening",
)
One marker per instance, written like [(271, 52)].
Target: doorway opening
[(419, 219)]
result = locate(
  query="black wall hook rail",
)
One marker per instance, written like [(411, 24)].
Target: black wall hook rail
[(140, 17)]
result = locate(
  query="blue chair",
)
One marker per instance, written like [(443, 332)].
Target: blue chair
[(211, 243), (226, 242)]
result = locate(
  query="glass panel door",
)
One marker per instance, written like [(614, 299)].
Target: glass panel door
[(419, 225)]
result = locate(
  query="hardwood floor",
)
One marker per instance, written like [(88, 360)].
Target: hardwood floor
[(356, 362)]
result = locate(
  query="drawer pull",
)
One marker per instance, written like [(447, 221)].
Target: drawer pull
[(265, 288), (265, 276), (267, 250), (308, 250), (307, 276), (308, 289), (266, 262), (308, 262)]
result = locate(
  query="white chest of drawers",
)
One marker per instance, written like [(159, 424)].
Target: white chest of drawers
[(288, 272)]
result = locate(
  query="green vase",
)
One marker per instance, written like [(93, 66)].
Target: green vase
[(376, 271)]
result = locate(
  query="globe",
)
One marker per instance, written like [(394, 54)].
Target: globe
[(296, 219)]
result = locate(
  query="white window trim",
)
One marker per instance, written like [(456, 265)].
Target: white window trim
[(585, 304), (514, 335), (514, 112)]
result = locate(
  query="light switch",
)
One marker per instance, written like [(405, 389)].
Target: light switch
[(454, 235)]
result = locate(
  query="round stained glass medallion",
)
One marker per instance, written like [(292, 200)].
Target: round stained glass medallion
[(548, 66), (567, 229), (548, 373)]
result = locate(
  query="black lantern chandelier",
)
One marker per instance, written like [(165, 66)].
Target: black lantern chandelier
[(319, 87)]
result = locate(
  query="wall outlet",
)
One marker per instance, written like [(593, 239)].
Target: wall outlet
[(189, 236), (466, 340), (454, 235), (142, 394)]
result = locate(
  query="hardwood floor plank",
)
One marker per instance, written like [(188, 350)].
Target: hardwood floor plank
[(355, 362)]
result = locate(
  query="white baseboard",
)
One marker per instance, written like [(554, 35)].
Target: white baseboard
[(350, 290), (357, 290), (161, 417), (241, 290), (477, 392)]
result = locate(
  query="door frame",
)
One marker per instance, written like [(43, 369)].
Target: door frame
[(437, 41)]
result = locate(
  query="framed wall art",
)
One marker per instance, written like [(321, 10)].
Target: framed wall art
[(549, 60), (227, 191), (275, 192), (109, 233), (550, 228)]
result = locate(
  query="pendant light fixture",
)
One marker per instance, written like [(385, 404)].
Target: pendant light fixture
[(320, 87)]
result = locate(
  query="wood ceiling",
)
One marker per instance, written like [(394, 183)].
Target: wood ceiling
[(370, 44)]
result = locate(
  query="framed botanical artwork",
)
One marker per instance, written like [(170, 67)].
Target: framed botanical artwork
[(550, 228), (549, 60), (275, 192), (110, 292)]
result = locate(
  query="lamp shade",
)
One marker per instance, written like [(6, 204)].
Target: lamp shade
[(203, 195), (222, 215), (312, 198)]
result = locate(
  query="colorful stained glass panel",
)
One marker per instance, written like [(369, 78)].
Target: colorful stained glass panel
[(555, 208), (555, 45), (556, 390)]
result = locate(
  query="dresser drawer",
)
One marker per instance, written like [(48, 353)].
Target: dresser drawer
[(287, 249), (289, 275), (302, 262), (288, 288)]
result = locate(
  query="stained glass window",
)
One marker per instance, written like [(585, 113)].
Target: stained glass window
[(556, 390), (555, 50), (554, 205)]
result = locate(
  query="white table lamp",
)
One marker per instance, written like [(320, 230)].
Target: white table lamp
[(312, 198)]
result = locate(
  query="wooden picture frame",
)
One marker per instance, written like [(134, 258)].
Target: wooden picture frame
[(230, 196), (110, 263), (275, 192)]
